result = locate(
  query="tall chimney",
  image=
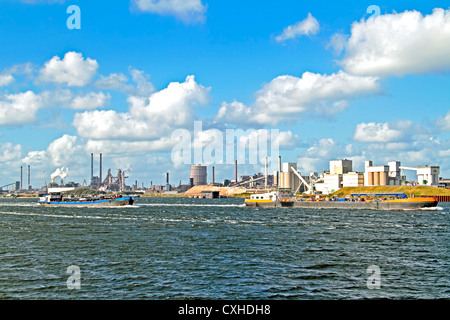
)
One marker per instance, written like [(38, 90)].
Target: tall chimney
[(100, 182), (20, 178), (279, 171), (213, 175), (29, 184), (235, 171), (167, 178), (92, 168)]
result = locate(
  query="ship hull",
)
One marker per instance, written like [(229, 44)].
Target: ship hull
[(400, 204), (123, 201)]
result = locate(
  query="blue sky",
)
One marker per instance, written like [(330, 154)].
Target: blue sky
[(336, 81)]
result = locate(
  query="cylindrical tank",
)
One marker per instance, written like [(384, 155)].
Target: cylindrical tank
[(383, 178), (376, 178), (198, 174), (370, 178), (286, 180)]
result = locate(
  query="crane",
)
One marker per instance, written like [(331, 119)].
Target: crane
[(122, 185), (310, 187), (7, 185)]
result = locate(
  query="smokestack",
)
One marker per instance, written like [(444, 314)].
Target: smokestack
[(279, 171), (20, 187), (235, 171), (92, 168), (213, 175), (29, 184), (100, 182), (168, 188)]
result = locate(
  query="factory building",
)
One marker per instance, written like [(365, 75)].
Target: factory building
[(340, 166), (198, 175), (384, 175), (353, 179), (339, 175), (288, 180), (428, 175)]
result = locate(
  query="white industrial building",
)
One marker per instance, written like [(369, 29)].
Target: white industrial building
[(353, 179), (428, 175), (340, 175), (384, 175)]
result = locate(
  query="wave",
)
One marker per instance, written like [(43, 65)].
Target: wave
[(190, 205), (65, 216)]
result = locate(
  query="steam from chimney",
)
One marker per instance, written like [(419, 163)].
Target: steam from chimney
[(62, 173)]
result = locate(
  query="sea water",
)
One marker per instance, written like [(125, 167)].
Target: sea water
[(180, 248)]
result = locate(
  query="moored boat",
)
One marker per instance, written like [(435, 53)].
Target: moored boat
[(374, 201), (58, 200)]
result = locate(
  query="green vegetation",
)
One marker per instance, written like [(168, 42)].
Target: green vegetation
[(408, 190)]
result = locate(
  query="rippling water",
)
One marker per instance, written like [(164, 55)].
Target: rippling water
[(179, 248)]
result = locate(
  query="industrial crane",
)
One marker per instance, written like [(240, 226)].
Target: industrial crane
[(7, 185)]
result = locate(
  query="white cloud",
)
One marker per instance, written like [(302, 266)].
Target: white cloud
[(322, 148), (115, 147), (444, 122), (285, 98), (118, 81), (186, 10), (114, 81), (72, 70), (147, 118), (235, 112), (5, 79), (10, 152), (92, 100), (399, 44), (143, 86), (65, 151), (316, 158), (381, 132), (20, 108), (35, 157), (306, 27), (337, 43)]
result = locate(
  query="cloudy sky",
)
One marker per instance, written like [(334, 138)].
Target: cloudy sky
[(335, 79)]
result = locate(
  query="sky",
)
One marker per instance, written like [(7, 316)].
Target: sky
[(359, 80)]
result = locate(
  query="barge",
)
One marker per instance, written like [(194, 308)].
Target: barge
[(371, 201), (58, 200)]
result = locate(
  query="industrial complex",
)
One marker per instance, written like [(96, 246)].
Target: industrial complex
[(287, 178)]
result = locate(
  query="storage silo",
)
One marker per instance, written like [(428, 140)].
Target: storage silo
[(198, 174)]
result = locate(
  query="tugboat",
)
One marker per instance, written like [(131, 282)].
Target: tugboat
[(58, 200), (388, 201)]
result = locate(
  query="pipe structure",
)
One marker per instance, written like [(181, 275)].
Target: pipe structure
[(235, 171)]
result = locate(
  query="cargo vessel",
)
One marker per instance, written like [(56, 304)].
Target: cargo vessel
[(372, 201), (59, 200)]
